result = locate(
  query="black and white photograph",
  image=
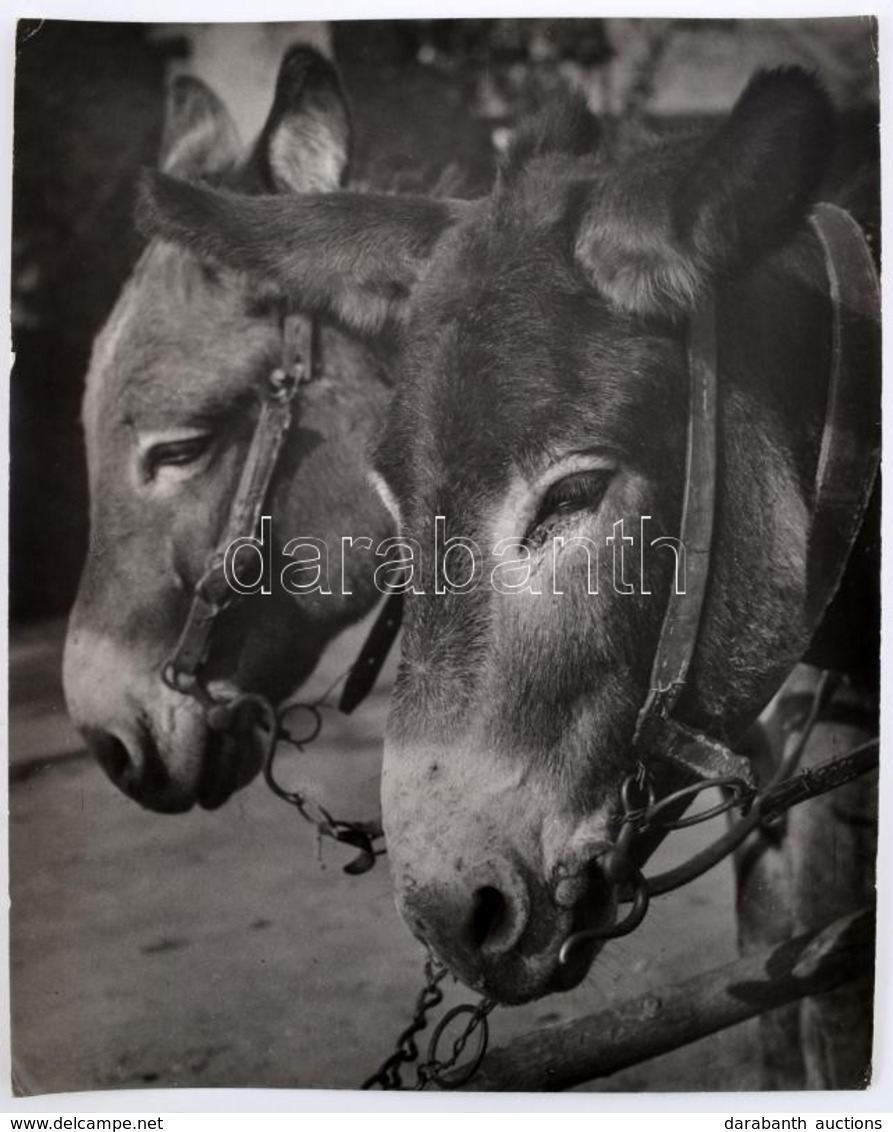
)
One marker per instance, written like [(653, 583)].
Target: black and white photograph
[(444, 556)]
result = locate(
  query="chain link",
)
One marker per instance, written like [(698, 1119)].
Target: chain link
[(642, 813), (448, 1073), (361, 835), (221, 713), (388, 1075)]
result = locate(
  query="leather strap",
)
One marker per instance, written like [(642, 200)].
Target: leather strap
[(365, 669), (851, 442), (845, 476), (212, 593), (682, 620)]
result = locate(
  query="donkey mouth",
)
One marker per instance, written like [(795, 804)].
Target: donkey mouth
[(556, 969), (539, 964), (229, 763), (518, 979), (231, 760)]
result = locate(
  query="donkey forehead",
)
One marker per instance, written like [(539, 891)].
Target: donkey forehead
[(177, 339), (511, 360)]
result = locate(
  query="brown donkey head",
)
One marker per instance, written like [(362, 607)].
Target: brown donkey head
[(540, 424), (173, 395)]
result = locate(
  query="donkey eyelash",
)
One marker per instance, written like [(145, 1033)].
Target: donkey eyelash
[(579, 491), (179, 452)]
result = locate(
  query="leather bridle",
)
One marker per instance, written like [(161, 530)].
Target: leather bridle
[(183, 672), (213, 593)]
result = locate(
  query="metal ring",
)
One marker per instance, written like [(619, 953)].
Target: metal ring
[(284, 382), (176, 680), (315, 727), (269, 758), (737, 786), (632, 780), (640, 901), (458, 1076), (629, 923), (618, 863)]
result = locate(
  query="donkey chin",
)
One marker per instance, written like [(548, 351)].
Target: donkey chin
[(154, 744)]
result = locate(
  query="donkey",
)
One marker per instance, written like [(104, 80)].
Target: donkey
[(539, 338), (171, 398)]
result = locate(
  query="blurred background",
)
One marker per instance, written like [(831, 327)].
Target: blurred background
[(211, 949)]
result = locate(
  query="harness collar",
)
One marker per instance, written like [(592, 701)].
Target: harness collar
[(845, 476)]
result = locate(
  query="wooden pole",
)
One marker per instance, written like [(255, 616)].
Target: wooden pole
[(571, 1053)]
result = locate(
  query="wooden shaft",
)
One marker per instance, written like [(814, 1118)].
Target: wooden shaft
[(569, 1054)]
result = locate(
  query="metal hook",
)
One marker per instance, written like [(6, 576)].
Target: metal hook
[(628, 924)]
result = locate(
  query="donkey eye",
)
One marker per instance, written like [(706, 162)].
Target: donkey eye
[(177, 453), (582, 491)]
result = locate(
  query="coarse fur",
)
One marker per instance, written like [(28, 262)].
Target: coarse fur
[(184, 358), (539, 336)]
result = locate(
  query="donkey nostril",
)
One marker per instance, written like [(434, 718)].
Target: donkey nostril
[(491, 921)]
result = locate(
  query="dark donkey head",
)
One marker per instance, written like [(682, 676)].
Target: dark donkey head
[(541, 412), (173, 393)]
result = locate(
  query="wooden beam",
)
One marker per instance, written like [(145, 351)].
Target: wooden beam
[(571, 1053)]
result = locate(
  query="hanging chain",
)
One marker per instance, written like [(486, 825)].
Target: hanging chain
[(450, 1074), (361, 835), (434, 1070), (221, 714)]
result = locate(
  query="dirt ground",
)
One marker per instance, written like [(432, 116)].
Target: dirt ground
[(215, 949)]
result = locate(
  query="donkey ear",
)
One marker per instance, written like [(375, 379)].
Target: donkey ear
[(711, 211), (754, 181), (352, 256), (199, 136), (305, 143)]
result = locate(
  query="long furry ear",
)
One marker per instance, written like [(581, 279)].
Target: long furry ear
[(670, 221), (199, 136), (754, 181), (353, 256), (305, 143)]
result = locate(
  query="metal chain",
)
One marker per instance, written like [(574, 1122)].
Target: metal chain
[(361, 835), (641, 812), (449, 1074), (446, 1074), (221, 714), (387, 1076)]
